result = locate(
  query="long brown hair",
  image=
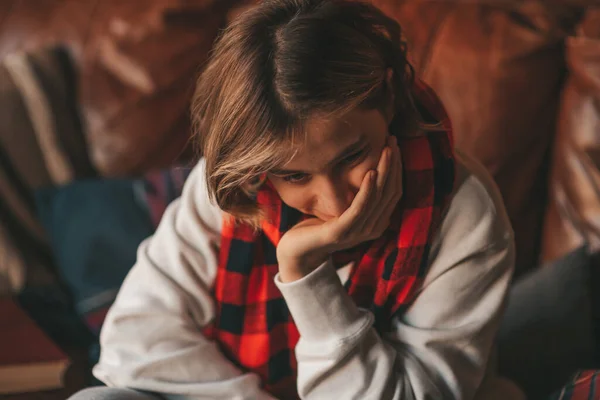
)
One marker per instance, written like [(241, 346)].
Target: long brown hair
[(280, 63)]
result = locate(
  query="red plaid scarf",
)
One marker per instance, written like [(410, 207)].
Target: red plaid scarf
[(253, 326)]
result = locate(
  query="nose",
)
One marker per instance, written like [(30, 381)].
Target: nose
[(335, 195)]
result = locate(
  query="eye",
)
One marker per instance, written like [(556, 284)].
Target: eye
[(354, 157), (297, 178)]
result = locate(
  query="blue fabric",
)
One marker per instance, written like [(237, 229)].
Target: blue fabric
[(95, 228), (158, 189)]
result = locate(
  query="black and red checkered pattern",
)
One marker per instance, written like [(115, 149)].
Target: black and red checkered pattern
[(253, 325), (584, 385)]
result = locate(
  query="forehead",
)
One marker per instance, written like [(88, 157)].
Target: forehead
[(326, 137)]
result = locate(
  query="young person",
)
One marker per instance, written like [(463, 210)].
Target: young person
[(329, 244)]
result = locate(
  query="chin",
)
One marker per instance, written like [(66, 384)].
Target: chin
[(324, 218), (313, 214), (317, 215)]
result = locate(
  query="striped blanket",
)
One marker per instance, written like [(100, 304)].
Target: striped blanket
[(41, 144)]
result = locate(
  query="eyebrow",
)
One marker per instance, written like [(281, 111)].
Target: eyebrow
[(350, 149)]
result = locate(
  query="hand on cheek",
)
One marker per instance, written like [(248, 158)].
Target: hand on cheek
[(307, 245)]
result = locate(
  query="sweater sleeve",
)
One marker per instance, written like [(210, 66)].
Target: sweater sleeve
[(151, 339), (440, 347)]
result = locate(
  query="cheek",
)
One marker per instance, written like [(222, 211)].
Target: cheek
[(294, 196), (372, 160), (358, 173)]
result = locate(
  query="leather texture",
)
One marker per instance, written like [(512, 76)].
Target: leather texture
[(573, 214), (498, 65)]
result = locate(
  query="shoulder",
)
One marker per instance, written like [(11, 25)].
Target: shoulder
[(195, 207), (476, 186), (476, 208), (475, 222)]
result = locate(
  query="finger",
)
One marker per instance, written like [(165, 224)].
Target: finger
[(386, 191), (397, 190), (394, 187), (385, 218), (383, 166), (391, 184), (384, 170), (399, 178), (353, 215), (381, 213)]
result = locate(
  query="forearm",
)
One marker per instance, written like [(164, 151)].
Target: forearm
[(152, 341), (438, 349), (339, 353)]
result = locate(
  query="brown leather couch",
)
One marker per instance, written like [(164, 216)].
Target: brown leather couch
[(520, 79), (499, 66), (573, 214)]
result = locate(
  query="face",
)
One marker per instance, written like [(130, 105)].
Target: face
[(325, 174)]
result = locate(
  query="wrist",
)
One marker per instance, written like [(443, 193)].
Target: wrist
[(291, 270), (289, 275)]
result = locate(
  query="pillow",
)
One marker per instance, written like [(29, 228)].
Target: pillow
[(41, 144), (572, 216), (138, 72), (95, 228)]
